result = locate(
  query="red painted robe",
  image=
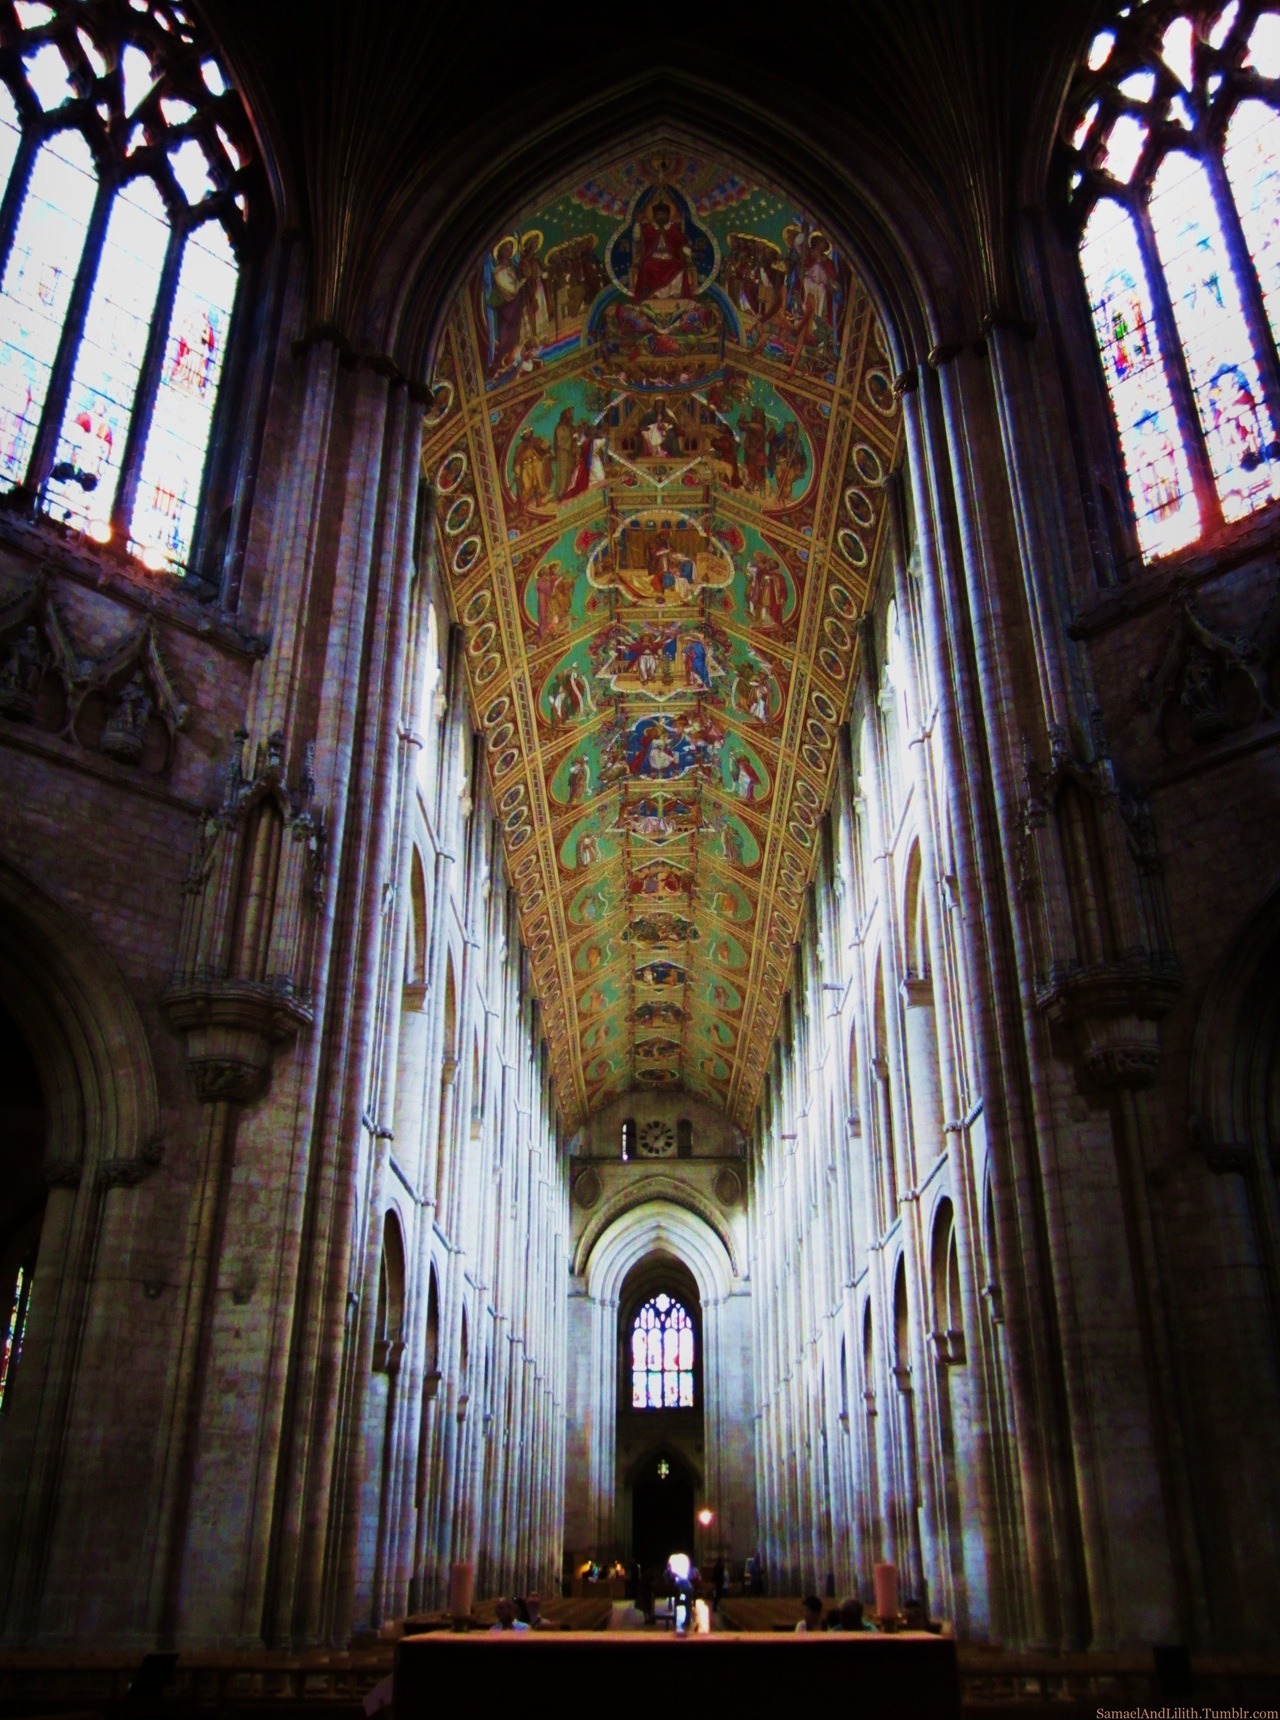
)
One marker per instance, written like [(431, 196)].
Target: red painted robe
[(662, 255)]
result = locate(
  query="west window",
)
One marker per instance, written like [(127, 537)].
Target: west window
[(1172, 158), (127, 171), (662, 1355)]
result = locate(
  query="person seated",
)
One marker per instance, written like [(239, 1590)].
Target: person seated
[(505, 1616), (851, 1615), (533, 1612), (813, 1619), (915, 1616)]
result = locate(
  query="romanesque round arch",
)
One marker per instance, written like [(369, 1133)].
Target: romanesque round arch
[(85, 1034)]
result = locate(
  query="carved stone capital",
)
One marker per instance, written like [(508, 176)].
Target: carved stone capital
[(126, 1173)]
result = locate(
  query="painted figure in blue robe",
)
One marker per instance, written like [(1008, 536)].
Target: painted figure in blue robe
[(697, 671)]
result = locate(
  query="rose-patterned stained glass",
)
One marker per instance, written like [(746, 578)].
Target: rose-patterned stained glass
[(1252, 160), (662, 1355), (1243, 450), (86, 468), (11, 1334), (36, 291), (1156, 465), (178, 441)]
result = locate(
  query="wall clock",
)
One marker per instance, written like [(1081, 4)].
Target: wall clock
[(656, 1138)]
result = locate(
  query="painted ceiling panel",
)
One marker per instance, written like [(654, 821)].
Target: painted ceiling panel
[(663, 419)]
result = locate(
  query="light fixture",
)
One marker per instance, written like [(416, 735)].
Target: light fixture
[(706, 1517)]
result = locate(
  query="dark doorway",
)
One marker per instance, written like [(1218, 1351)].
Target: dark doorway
[(661, 1511)]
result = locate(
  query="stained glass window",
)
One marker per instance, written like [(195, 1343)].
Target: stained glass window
[(1252, 161), (662, 1355), (11, 1334), (182, 418), (1215, 336), (82, 485), (1180, 252), (1164, 503), (106, 422), (39, 275)]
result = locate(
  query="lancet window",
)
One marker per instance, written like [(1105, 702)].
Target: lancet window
[(662, 1349), (1172, 157), (13, 1331), (127, 172)]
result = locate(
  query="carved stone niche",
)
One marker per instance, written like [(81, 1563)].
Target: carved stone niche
[(127, 705), (255, 879), (38, 665), (1209, 683), (1091, 883), (122, 703)]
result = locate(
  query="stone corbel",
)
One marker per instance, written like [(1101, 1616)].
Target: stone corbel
[(1113, 1013), (232, 1029)]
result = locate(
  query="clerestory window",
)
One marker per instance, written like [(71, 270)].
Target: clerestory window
[(127, 171), (1172, 155), (662, 1346)]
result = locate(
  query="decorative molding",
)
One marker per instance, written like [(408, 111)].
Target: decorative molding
[(728, 1187), (586, 1189)]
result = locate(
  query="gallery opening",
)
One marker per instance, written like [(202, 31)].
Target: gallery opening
[(640, 842)]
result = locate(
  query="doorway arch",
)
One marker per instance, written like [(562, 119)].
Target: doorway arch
[(647, 1244), (660, 1437), (99, 1129), (662, 1490)]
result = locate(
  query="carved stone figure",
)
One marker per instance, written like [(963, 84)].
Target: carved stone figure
[(21, 674), (125, 728)]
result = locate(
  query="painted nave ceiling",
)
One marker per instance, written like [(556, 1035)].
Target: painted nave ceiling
[(663, 418)]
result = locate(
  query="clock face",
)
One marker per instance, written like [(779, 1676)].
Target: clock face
[(656, 1138)]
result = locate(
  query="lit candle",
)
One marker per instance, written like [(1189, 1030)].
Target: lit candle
[(886, 1581)]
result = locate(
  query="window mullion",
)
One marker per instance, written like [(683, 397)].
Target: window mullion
[(148, 386), (46, 443), (1262, 337), (1184, 402), (15, 192)]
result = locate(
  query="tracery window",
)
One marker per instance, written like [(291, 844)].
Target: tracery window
[(662, 1347), (1173, 160), (127, 172)]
